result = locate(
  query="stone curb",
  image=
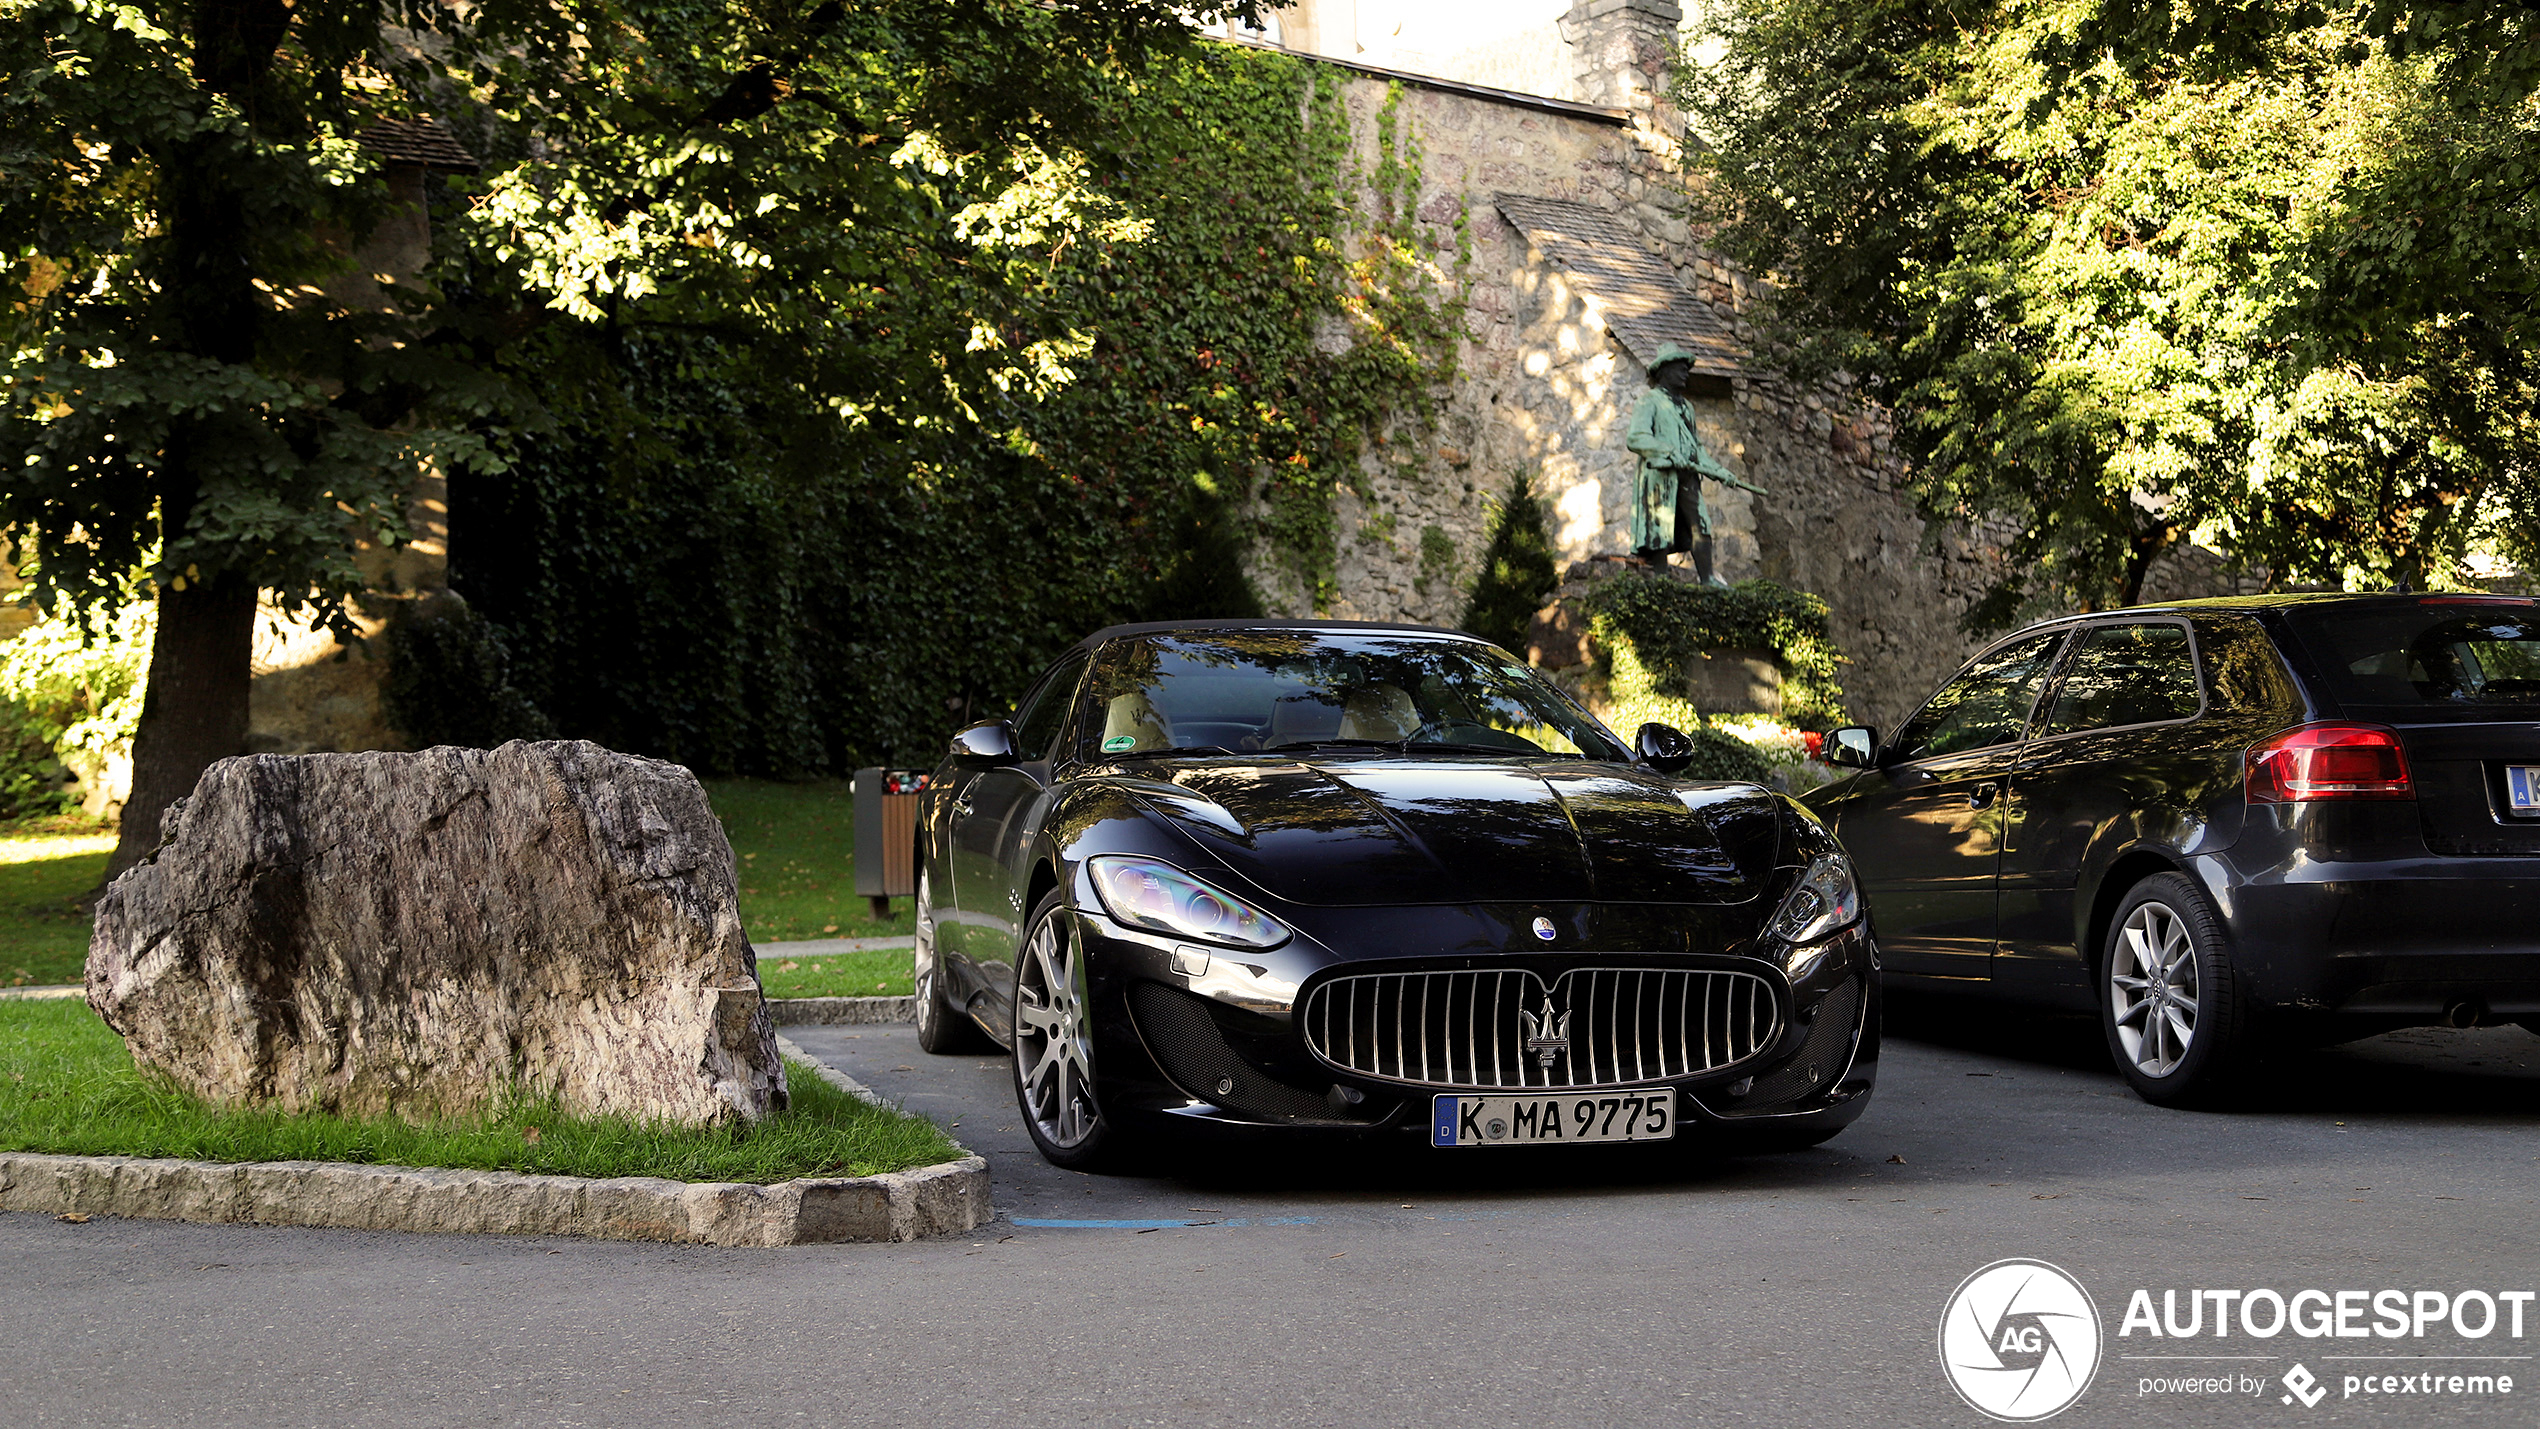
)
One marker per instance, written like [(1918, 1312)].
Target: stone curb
[(41, 994), (898, 1206), (836, 1011)]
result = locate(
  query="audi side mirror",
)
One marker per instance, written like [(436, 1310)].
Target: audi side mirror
[(1663, 747), (989, 742), (1855, 746)]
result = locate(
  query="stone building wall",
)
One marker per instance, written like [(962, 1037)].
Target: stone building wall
[(1545, 386)]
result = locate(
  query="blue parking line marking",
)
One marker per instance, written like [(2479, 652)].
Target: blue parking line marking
[(1069, 1225)]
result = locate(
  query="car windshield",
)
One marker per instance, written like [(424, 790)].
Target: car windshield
[(2478, 654), (1310, 691)]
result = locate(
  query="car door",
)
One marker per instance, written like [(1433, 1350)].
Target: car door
[(2115, 753), (1924, 826), (990, 822)]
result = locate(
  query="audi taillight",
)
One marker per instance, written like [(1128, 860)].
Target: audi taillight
[(2329, 761)]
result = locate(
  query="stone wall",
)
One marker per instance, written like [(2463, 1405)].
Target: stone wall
[(1545, 387)]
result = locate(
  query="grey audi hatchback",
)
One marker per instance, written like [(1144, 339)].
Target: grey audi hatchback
[(2223, 824)]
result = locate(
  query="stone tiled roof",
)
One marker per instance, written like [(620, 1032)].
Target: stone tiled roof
[(427, 143), (1637, 293)]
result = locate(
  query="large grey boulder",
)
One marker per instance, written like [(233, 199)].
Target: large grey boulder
[(427, 933)]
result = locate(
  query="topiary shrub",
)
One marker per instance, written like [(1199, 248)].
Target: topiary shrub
[(1518, 570), (449, 679), (1718, 755), (1653, 628)]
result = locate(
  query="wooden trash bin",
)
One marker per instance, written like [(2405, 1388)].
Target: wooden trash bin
[(886, 835)]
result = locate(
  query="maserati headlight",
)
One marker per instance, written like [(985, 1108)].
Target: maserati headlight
[(1826, 901), (1160, 898)]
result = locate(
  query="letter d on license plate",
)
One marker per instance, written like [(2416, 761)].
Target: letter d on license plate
[(1646, 1114)]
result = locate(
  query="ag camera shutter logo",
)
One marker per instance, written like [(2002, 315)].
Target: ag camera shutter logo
[(2020, 1340)]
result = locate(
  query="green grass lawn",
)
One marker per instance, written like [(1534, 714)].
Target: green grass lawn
[(794, 845), (46, 867), (882, 973), (68, 1087)]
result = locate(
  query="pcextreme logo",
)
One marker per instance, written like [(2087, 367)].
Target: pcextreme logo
[(2020, 1340)]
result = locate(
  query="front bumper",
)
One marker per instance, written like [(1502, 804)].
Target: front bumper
[(1194, 1048)]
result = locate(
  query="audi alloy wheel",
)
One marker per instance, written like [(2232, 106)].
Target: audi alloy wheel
[(2176, 1023)]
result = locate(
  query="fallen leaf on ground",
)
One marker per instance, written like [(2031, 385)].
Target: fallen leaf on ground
[(1896, 1161), (77, 1218)]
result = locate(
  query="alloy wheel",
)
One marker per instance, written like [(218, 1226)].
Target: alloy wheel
[(1053, 1047), (930, 1012), (2153, 989)]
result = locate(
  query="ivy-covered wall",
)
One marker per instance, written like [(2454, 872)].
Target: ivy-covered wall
[(691, 564)]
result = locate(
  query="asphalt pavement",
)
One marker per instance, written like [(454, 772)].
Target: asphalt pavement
[(1445, 1288)]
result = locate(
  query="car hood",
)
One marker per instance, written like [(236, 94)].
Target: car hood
[(1368, 832)]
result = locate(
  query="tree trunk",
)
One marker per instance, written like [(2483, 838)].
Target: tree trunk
[(196, 708)]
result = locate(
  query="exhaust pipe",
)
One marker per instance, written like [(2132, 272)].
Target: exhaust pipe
[(2468, 1012)]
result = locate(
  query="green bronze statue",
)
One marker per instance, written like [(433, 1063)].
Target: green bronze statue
[(1668, 513)]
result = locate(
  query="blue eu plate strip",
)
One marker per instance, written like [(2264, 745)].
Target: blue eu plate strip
[(1442, 1133)]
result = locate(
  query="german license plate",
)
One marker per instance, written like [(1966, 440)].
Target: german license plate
[(1645, 1115), (2522, 788)]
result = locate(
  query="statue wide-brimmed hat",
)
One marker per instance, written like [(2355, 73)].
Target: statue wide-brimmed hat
[(1670, 353)]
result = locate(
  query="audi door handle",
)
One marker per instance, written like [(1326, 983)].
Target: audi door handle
[(1983, 795)]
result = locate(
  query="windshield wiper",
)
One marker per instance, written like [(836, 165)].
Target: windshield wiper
[(1181, 749), (1396, 745)]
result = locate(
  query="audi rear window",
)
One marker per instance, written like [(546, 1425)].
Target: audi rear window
[(2481, 655)]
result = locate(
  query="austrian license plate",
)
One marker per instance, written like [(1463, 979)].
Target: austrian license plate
[(1645, 1115), (2522, 788)]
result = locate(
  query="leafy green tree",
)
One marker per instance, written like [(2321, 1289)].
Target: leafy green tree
[(856, 199), (700, 561), (2252, 275)]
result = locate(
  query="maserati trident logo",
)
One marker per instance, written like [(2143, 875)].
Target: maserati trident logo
[(1549, 1036)]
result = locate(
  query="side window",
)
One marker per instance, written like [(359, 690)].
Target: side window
[(2127, 674), (1036, 725), (1987, 705), (2242, 669)]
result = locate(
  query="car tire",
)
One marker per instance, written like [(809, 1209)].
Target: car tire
[(2178, 1023), (941, 1028), (1054, 1083)]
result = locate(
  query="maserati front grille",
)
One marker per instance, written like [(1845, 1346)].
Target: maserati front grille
[(1509, 1028)]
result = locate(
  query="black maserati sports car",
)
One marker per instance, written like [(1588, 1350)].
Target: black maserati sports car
[(1331, 879)]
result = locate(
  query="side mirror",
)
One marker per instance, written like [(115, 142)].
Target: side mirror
[(1854, 746), (989, 742), (1663, 747)]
